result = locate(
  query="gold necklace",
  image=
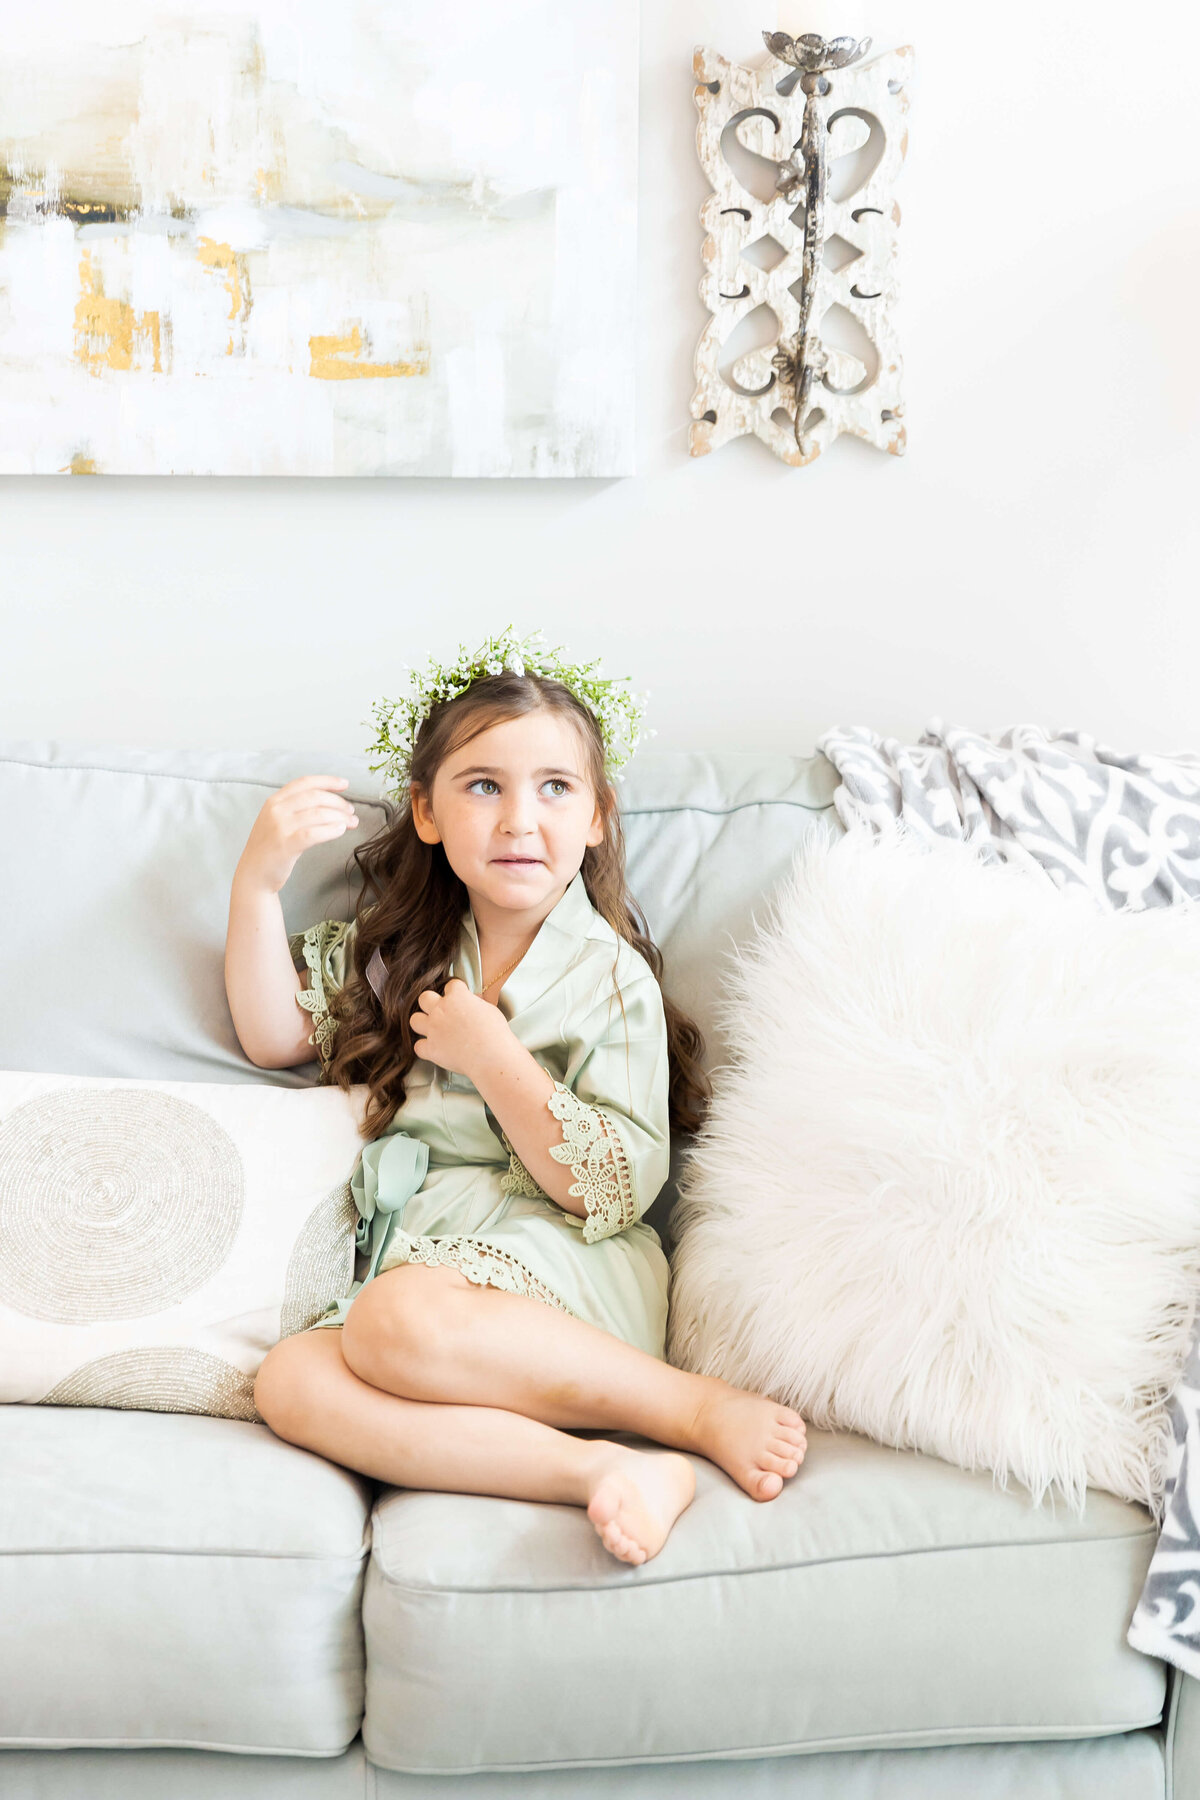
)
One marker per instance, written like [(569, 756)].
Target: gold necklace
[(500, 977)]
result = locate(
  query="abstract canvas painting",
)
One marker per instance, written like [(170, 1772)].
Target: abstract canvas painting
[(263, 237)]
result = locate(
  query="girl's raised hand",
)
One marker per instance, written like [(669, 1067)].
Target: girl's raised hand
[(303, 812), (456, 1028)]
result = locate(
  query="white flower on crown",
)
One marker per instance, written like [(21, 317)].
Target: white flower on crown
[(617, 710)]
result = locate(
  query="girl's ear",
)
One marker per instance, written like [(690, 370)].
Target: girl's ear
[(596, 830), (422, 816)]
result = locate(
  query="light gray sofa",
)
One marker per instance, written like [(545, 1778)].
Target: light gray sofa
[(194, 1609)]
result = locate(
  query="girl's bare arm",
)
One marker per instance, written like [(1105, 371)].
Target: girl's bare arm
[(261, 981)]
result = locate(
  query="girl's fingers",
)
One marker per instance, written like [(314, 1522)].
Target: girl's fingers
[(322, 815), (308, 818), (428, 995), (310, 808)]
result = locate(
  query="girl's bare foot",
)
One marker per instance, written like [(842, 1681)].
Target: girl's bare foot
[(756, 1440), (635, 1496)]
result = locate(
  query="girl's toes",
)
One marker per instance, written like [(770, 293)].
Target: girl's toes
[(769, 1484), (618, 1541)]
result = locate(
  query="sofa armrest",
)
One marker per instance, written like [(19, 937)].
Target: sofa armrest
[(1182, 1746)]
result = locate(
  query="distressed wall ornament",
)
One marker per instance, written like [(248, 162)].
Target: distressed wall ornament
[(811, 239)]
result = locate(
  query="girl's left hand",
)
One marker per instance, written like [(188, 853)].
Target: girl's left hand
[(453, 1028)]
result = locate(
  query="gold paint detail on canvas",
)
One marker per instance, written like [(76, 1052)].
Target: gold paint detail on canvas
[(237, 281), (108, 332), (336, 359)]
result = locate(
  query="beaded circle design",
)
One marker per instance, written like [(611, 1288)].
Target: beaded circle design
[(321, 1266), (114, 1203), (160, 1378)]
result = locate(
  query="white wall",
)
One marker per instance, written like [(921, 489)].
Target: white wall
[(1031, 558)]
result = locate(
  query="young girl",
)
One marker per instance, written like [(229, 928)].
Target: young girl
[(498, 993)]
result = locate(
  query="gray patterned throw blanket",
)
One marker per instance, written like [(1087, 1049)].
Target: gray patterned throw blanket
[(1128, 828)]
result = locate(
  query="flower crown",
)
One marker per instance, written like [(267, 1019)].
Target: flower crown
[(618, 712)]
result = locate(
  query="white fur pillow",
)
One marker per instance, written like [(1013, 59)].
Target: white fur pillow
[(948, 1194), (157, 1237)]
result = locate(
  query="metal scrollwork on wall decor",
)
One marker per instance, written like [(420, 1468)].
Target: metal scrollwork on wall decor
[(802, 245)]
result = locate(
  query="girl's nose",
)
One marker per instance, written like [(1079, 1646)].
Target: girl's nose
[(518, 818)]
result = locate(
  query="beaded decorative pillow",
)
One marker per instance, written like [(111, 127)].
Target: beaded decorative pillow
[(157, 1237)]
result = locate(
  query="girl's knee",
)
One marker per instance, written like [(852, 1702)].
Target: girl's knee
[(283, 1385), (373, 1329), (394, 1321)]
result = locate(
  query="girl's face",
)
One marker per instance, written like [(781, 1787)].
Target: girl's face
[(514, 811)]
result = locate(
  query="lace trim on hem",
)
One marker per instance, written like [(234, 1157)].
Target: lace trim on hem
[(596, 1155), (484, 1264)]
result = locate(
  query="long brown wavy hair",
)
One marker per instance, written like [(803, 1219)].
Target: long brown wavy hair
[(411, 906)]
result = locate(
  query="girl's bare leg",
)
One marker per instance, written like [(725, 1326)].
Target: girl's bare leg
[(307, 1395), (427, 1333)]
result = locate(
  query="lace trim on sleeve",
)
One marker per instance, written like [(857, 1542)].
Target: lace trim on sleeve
[(597, 1160), (518, 1180), (315, 945)]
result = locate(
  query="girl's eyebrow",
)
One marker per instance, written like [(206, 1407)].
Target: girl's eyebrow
[(479, 770)]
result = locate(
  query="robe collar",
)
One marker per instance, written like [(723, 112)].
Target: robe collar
[(570, 920)]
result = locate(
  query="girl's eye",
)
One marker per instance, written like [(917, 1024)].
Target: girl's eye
[(486, 783)]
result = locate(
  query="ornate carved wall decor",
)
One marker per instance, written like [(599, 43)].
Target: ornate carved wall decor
[(801, 246)]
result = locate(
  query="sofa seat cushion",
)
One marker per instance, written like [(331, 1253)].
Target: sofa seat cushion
[(179, 1580), (884, 1599)]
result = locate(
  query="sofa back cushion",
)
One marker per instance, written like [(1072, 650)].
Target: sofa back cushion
[(119, 861)]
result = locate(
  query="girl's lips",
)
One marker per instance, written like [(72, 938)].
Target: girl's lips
[(519, 862)]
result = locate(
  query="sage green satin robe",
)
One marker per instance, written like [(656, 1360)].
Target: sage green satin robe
[(442, 1184)]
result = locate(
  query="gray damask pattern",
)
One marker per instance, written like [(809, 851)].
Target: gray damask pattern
[(1166, 1620), (161, 1378), (321, 1266), (1126, 826), (114, 1203)]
